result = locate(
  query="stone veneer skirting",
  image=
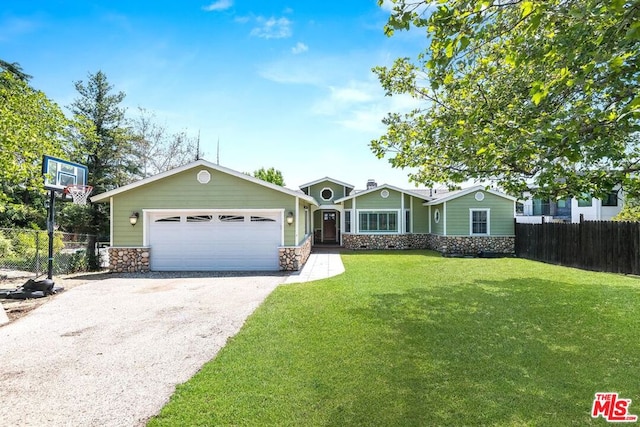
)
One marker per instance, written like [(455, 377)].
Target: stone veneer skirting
[(447, 245), (293, 258), (130, 260)]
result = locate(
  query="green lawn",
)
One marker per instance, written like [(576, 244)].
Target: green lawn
[(410, 338)]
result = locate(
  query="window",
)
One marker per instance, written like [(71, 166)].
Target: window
[(347, 221), (384, 194), (407, 221), (479, 221), (326, 194), (169, 219), (584, 201), (519, 208), (230, 218), (611, 199), (379, 221), (199, 218), (436, 216), (262, 219)]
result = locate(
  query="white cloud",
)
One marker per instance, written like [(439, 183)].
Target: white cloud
[(13, 27), (291, 73), (242, 19), (218, 5), (299, 48), (342, 99), (272, 28)]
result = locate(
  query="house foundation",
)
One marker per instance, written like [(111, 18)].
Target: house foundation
[(129, 260), (447, 245), (293, 258)]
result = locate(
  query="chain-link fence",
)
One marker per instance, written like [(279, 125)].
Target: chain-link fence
[(27, 251)]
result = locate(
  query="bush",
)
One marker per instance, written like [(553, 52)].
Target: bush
[(27, 243), (6, 247)]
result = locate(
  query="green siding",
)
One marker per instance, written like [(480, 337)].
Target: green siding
[(301, 221), (420, 216), (374, 200), (501, 214), (317, 220), (183, 191), (338, 191), (437, 227)]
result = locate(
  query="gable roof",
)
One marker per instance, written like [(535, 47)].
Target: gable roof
[(380, 187), (459, 193), (326, 178), (196, 164)]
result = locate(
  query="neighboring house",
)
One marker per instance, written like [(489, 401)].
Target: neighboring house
[(532, 210), (202, 216)]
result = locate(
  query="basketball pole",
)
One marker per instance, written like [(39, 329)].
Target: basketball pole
[(50, 229)]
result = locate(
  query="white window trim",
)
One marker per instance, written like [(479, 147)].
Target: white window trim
[(471, 211), (398, 219), (323, 190)]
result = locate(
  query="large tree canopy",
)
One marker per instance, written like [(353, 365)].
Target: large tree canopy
[(538, 94), (105, 146), (157, 149), (271, 175), (30, 125)]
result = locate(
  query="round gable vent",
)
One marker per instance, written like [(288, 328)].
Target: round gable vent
[(479, 196), (204, 177)]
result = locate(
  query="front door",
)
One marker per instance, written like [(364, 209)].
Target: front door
[(329, 227)]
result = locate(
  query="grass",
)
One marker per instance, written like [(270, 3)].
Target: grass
[(410, 338)]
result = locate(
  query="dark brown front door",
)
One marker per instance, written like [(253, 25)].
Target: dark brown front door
[(329, 226)]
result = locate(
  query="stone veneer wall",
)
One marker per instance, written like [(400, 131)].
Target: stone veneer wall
[(443, 244), (385, 241), (293, 258), (130, 260), (472, 245)]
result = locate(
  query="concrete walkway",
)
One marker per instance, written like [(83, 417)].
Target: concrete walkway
[(322, 264)]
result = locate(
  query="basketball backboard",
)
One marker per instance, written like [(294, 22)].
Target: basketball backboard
[(59, 173)]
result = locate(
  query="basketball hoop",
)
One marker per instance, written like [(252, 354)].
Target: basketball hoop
[(79, 193)]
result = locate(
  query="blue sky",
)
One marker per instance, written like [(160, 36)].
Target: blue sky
[(280, 84)]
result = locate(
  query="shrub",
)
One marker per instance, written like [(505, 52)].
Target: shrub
[(6, 247)]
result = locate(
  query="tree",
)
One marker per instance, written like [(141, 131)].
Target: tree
[(105, 146), (630, 211), (157, 149), (542, 95), (31, 125), (271, 175), (14, 69)]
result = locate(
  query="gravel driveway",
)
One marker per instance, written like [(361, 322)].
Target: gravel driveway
[(110, 353)]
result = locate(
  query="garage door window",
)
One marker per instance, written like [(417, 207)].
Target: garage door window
[(262, 219), (169, 219), (200, 218), (230, 218)]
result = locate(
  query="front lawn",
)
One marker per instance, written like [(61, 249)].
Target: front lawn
[(410, 338)]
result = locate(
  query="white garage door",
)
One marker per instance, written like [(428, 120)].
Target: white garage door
[(215, 240)]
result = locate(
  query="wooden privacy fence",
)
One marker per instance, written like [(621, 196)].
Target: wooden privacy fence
[(593, 245)]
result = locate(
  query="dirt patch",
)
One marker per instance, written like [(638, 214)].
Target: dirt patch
[(11, 279)]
